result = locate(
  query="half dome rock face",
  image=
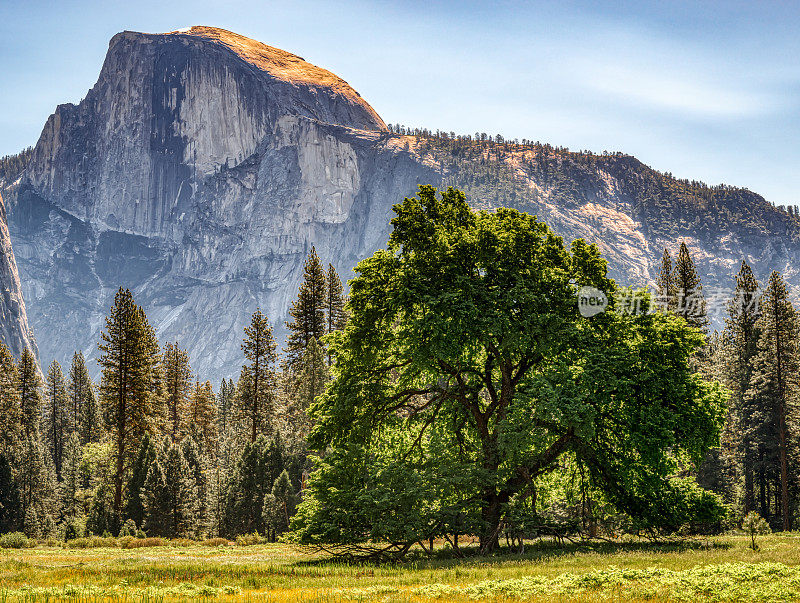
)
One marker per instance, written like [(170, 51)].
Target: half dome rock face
[(198, 172), (14, 330)]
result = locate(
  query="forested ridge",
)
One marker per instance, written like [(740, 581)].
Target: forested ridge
[(496, 172)]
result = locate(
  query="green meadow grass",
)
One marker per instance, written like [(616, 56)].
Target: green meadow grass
[(718, 569)]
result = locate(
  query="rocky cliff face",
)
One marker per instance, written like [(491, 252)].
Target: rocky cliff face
[(14, 330), (202, 167), (199, 171)]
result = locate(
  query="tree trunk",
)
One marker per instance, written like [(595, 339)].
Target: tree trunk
[(749, 494), (491, 516)]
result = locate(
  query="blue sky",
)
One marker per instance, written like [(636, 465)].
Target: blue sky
[(707, 91)]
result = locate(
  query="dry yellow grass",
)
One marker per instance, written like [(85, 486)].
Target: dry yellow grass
[(720, 569)]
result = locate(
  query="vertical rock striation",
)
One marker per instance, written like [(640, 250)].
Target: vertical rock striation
[(14, 330)]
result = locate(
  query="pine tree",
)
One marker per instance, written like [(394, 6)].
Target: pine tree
[(691, 304), (741, 339), (773, 390), (145, 457), (170, 496), (279, 505), (198, 464), (35, 481), (255, 392), (260, 463), (10, 407), (225, 404), (155, 501), (311, 383), (55, 417), (29, 386), (203, 416), (307, 312), (177, 379), (83, 401), (131, 386), (69, 490), (10, 505), (665, 284), (335, 315)]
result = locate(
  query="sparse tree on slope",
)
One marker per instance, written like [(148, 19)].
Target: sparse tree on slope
[(691, 303), (665, 284)]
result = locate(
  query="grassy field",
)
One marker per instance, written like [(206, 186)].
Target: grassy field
[(719, 569)]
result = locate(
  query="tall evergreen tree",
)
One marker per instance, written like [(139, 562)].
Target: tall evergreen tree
[(130, 389), (741, 339), (279, 505), (29, 386), (260, 463), (83, 401), (170, 496), (10, 505), (665, 284), (335, 315), (691, 303), (56, 417), (307, 312), (177, 380), (145, 457), (225, 397), (771, 398), (69, 489), (203, 416), (198, 464), (33, 473), (255, 392), (311, 383), (10, 408)]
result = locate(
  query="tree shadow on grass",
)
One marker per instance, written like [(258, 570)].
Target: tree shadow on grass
[(539, 550)]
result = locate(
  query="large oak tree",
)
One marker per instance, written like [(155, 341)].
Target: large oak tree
[(465, 372)]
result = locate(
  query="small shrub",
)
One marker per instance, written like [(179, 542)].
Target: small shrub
[(92, 542), (216, 542), (74, 528), (128, 528), (14, 540), (140, 533), (754, 524), (250, 539), (124, 541), (181, 542), (138, 543)]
